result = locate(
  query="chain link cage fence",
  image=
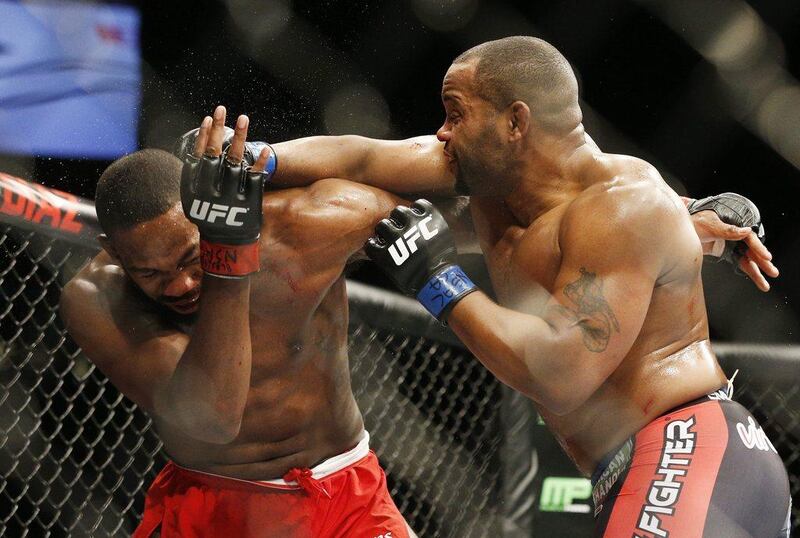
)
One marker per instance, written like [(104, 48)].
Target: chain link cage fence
[(76, 456)]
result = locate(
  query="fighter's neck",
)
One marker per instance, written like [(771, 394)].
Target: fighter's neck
[(551, 176)]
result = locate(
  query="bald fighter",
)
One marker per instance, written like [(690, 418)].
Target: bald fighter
[(230, 331), (600, 316)]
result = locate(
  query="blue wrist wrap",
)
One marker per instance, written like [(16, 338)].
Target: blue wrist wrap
[(445, 287), (272, 163)]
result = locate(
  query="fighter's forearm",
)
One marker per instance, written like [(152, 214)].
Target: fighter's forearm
[(207, 392), (523, 351), (414, 165), (306, 160)]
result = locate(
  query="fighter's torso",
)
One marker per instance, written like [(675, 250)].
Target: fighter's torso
[(670, 361), (300, 408)]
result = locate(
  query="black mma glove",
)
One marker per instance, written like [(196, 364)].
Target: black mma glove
[(224, 201), (732, 208), (185, 146), (415, 248)]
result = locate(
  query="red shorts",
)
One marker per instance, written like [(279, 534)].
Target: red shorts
[(351, 501), (705, 468)]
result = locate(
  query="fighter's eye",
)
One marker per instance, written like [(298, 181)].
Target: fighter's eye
[(147, 274)]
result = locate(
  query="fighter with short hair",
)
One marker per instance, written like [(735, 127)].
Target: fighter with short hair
[(230, 331)]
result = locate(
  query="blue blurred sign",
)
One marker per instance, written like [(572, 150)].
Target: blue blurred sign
[(69, 79)]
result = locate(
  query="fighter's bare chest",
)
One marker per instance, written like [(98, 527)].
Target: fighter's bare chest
[(523, 261)]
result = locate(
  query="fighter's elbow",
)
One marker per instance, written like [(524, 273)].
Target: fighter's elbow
[(219, 433), (205, 421), (563, 404), (560, 397)]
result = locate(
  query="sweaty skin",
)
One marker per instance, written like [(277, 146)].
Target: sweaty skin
[(594, 261), (299, 406)]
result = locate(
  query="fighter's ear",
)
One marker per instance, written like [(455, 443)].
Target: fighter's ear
[(105, 242), (519, 120)]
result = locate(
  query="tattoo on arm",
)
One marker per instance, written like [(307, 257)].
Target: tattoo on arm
[(589, 310)]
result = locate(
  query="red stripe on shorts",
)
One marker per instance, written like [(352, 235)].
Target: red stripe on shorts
[(672, 475)]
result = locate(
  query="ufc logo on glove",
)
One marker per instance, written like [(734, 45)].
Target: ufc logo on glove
[(200, 210), (401, 250), (427, 270)]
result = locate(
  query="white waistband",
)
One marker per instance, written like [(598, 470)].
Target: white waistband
[(327, 467), (332, 464)]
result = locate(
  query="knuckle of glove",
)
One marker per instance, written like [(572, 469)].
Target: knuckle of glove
[(402, 215), (388, 229), (423, 207)]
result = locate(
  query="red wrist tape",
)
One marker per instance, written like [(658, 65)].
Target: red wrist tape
[(234, 261)]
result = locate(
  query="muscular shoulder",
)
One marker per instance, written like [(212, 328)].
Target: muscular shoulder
[(99, 295), (632, 217), (93, 286)]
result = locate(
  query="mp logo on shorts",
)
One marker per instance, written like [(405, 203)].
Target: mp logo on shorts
[(211, 212), (679, 445), (405, 246), (753, 436)]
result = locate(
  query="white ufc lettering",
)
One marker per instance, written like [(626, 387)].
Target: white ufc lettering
[(210, 212), (401, 250)]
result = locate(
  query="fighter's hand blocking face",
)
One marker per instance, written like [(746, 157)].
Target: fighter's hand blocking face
[(222, 196), (729, 226), (415, 248)]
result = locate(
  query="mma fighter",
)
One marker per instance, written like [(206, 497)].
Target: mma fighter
[(600, 318), (232, 334)]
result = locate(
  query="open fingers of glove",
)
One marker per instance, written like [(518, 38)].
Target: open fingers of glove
[(386, 230), (750, 268), (201, 141), (756, 247), (236, 149), (217, 134), (422, 206), (402, 215), (764, 262), (254, 180)]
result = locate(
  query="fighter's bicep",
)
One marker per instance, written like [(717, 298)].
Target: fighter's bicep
[(604, 285), (600, 309)]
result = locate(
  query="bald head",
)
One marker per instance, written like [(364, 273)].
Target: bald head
[(531, 70)]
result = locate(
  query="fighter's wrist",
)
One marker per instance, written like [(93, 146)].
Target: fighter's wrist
[(444, 289), (226, 260)]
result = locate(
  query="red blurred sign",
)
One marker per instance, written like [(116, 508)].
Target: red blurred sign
[(39, 204)]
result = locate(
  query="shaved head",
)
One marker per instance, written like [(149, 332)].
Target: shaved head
[(531, 70)]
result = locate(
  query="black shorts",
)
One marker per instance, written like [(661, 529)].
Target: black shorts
[(704, 469)]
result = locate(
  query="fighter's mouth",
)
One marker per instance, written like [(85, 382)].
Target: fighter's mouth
[(186, 304)]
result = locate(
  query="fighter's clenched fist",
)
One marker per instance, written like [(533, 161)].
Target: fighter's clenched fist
[(416, 250)]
